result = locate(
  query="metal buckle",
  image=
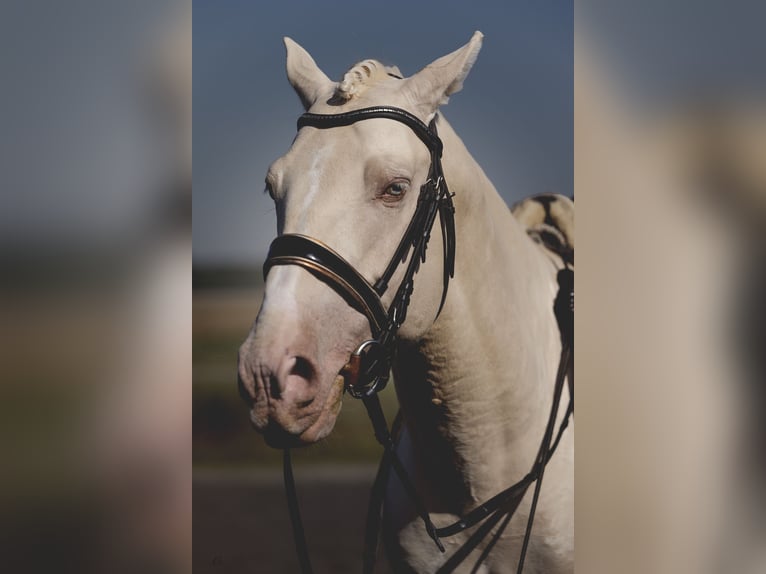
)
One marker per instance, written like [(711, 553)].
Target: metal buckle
[(435, 185), (370, 369)]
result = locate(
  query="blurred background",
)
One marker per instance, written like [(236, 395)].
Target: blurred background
[(95, 296), (514, 114), (670, 160)]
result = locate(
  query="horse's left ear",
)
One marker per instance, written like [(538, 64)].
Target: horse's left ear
[(432, 86), (305, 76)]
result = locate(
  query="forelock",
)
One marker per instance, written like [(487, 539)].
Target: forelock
[(363, 75)]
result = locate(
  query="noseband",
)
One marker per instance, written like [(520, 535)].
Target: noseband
[(368, 368)]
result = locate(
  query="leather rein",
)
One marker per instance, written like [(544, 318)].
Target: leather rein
[(367, 371)]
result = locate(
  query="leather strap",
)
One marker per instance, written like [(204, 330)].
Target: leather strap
[(434, 199), (327, 265), (421, 130), (299, 535), (503, 505)]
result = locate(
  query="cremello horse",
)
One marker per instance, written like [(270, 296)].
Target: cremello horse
[(475, 384)]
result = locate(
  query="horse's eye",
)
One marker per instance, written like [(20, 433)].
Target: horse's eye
[(396, 190)]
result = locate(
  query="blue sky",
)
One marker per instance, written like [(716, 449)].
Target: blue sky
[(514, 113)]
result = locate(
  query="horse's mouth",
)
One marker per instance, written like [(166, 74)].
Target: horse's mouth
[(277, 436)]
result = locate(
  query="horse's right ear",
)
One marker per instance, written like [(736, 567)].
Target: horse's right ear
[(432, 86), (305, 76)]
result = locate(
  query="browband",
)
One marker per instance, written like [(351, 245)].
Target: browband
[(387, 112)]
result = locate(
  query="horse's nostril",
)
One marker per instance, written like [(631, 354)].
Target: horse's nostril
[(274, 389), (291, 380), (302, 368)]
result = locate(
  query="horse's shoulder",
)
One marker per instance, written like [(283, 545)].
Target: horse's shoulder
[(549, 220)]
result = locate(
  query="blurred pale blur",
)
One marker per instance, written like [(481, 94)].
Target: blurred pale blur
[(95, 244), (670, 152)]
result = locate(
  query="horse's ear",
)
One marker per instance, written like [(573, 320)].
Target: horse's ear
[(432, 86), (305, 76)]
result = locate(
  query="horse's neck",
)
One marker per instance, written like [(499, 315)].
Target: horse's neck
[(475, 391)]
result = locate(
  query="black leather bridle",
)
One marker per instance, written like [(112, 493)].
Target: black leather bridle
[(368, 368)]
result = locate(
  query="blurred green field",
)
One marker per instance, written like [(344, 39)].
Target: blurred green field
[(225, 305)]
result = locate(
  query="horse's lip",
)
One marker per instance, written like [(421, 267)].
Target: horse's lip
[(277, 437)]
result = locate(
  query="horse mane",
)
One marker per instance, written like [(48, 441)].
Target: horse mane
[(361, 76), (549, 221)]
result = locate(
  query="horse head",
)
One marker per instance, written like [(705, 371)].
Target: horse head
[(353, 188)]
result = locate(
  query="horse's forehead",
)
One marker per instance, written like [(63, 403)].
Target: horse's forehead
[(321, 150)]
